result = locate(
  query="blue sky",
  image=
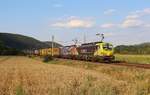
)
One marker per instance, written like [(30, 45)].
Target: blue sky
[(122, 21)]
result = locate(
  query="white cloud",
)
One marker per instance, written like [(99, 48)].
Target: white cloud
[(57, 5), (109, 34), (132, 17), (136, 19), (108, 25), (131, 23), (73, 22), (109, 11), (141, 13), (133, 20), (146, 11), (147, 25)]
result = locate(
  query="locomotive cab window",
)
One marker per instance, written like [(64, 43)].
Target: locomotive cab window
[(107, 46)]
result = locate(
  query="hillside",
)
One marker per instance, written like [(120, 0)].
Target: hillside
[(50, 43), (143, 48), (21, 42)]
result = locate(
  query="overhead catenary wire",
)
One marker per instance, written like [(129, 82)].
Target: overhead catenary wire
[(82, 40)]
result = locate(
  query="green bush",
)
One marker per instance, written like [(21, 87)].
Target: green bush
[(47, 58)]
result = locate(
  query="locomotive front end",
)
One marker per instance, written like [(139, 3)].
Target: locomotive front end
[(105, 51)]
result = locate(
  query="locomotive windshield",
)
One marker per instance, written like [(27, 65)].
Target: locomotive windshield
[(107, 46)]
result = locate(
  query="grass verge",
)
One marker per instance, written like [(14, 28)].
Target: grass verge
[(139, 59)]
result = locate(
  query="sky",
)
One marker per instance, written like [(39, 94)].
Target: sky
[(121, 21)]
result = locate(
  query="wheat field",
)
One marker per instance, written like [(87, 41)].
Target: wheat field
[(26, 76)]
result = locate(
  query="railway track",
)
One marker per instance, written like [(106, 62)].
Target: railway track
[(136, 65), (119, 63), (122, 63)]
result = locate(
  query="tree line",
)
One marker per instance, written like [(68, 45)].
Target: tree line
[(8, 51), (133, 49)]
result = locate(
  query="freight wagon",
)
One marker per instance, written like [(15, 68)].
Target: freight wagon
[(49, 51)]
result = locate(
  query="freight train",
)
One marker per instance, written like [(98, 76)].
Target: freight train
[(95, 51)]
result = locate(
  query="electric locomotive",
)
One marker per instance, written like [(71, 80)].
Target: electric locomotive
[(96, 51)]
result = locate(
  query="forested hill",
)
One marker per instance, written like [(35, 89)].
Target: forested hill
[(54, 44), (143, 48), (20, 42)]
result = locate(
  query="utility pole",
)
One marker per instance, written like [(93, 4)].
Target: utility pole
[(84, 38), (52, 45)]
